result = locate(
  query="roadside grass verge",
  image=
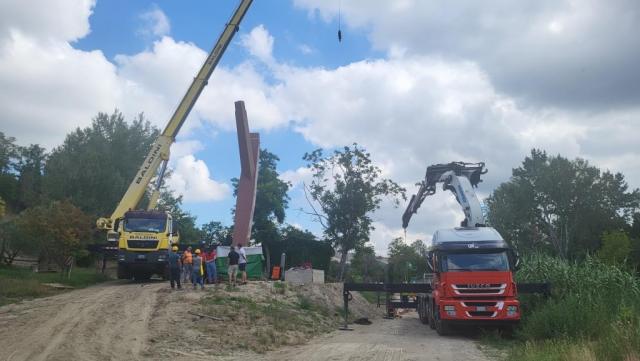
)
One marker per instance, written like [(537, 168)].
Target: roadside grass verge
[(17, 284), (593, 313)]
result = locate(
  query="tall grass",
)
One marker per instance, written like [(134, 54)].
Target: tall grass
[(593, 313)]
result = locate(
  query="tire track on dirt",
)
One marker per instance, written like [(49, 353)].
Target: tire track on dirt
[(105, 322)]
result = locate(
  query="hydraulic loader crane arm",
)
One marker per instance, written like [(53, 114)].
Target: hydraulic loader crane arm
[(458, 177), (159, 154)]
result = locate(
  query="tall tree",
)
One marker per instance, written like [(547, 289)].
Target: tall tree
[(561, 205), (406, 261), (9, 153), (348, 188), (30, 167), (216, 232), (189, 232), (365, 267), (94, 166)]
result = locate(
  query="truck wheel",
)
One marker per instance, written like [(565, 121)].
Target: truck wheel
[(432, 321), (442, 327), (422, 312), (123, 273)]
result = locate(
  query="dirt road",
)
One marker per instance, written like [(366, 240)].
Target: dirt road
[(385, 340), (105, 322), (129, 321)]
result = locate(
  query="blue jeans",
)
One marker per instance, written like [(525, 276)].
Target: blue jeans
[(196, 278), (211, 272)]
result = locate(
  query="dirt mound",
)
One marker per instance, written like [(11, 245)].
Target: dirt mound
[(252, 318)]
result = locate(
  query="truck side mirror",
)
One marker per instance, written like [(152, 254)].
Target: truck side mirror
[(430, 262), (515, 259)]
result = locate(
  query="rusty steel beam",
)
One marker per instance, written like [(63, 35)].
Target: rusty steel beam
[(249, 144)]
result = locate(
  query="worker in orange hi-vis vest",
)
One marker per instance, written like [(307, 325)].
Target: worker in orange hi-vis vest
[(187, 265)]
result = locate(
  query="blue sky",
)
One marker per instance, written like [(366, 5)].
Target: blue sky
[(414, 82), (114, 22)]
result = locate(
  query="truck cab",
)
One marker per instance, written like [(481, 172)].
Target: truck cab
[(144, 240), (472, 280)]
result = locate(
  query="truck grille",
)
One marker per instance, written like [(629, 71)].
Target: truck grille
[(146, 244), (479, 303), (480, 289), (482, 313)]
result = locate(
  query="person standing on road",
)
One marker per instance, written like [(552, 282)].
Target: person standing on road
[(174, 267), (233, 265), (187, 265), (210, 265), (196, 277), (242, 264)]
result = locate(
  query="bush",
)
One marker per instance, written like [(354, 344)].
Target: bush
[(593, 312)]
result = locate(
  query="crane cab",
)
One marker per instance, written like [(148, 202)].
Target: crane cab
[(144, 240)]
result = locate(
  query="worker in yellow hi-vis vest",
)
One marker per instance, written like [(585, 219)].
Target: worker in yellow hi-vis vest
[(198, 271)]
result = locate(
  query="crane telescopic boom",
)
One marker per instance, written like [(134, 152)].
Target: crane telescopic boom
[(458, 177), (156, 161)]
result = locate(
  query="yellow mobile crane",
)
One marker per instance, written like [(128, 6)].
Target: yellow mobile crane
[(144, 236)]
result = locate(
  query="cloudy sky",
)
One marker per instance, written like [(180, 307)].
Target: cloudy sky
[(415, 82)]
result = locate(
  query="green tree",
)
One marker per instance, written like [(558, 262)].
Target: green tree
[(56, 232), (616, 247), (560, 205), (406, 261), (365, 266), (30, 167), (347, 187), (189, 232), (94, 166), (216, 232), (9, 152), (301, 246)]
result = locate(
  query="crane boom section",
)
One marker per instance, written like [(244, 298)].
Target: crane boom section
[(458, 177), (160, 149), (200, 81)]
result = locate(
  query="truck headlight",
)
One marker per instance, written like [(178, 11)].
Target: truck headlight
[(512, 310), (450, 310)]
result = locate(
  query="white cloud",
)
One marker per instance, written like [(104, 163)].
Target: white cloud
[(191, 178), (182, 148), (305, 49), (382, 235), (259, 43), (50, 20), (154, 22), (297, 177), (579, 54)]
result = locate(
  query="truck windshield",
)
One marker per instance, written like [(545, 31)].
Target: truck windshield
[(155, 225), (452, 262)]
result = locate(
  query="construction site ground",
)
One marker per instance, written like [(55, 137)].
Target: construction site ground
[(261, 321)]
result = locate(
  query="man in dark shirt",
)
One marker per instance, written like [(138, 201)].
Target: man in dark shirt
[(233, 265), (174, 267)]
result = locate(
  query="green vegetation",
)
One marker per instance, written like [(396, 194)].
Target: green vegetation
[(18, 284), (593, 313), (347, 188), (561, 206), (274, 320)]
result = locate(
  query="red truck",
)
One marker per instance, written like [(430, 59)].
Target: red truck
[(471, 266), (471, 280)]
